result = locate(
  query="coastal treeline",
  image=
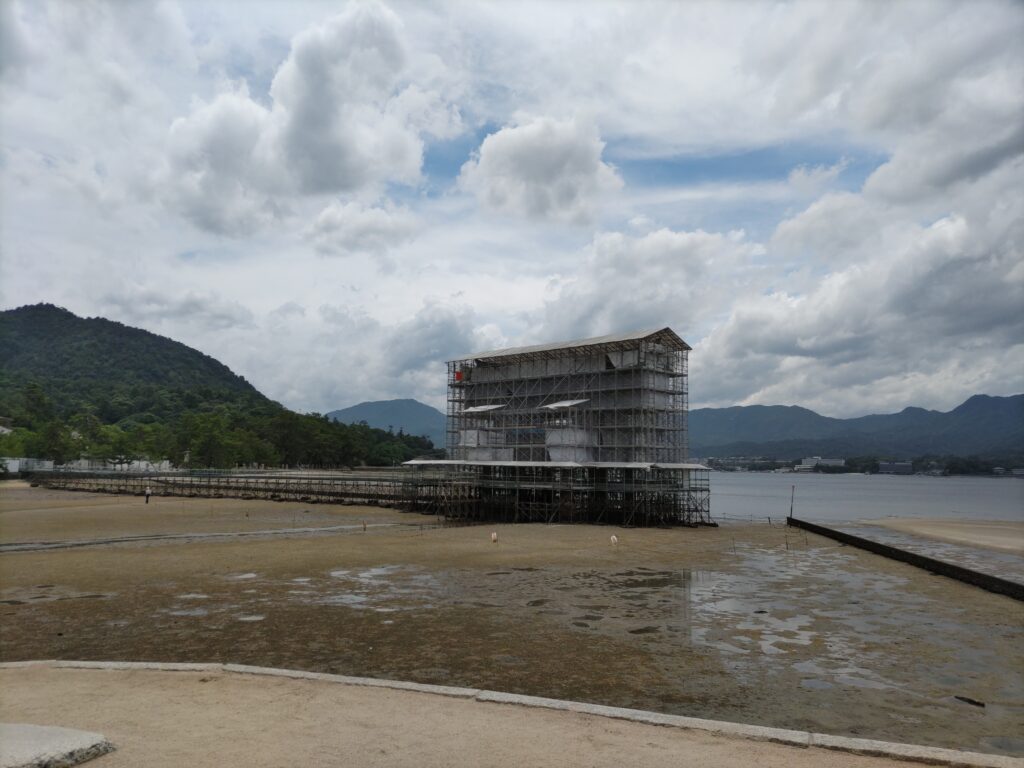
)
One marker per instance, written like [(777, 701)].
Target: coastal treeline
[(210, 434), (930, 464), (73, 388)]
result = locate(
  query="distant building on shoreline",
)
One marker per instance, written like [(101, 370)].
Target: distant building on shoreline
[(809, 464), (895, 468), (593, 430)]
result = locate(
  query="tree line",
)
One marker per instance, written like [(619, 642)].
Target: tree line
[(931, 463), (200, 428)]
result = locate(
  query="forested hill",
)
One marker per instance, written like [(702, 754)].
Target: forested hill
[(93, 388), (111, 369)]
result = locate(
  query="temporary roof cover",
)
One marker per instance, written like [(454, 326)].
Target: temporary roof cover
[(564, 404), (665, 334)]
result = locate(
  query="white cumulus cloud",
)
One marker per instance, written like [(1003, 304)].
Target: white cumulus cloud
[(344, 117), (542, 168), (343, 229)]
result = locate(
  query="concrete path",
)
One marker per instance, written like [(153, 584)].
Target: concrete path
[(220, 715), (41, 746)]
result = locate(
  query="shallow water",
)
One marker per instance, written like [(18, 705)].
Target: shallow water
[(846, 498)]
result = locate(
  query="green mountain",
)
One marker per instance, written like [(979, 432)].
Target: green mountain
[(409, 416), (112, 370), (73, 387), (982, 425)]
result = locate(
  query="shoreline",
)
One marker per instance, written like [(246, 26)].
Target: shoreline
[(1000, 535)]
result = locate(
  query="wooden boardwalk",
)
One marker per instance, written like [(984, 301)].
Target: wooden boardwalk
[(540, 495), (384, 487)]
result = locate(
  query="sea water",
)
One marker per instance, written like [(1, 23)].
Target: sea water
[(851, 497)]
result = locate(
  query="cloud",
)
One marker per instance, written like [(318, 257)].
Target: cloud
[(343, 118), (434, 335), (344, 229), (15, 51), (206, 312), (427, 112), (924, 308), (330, 98), (346, 356), (713, 198), (809, 181), (220, 172), (542, 169), (663, 278), (940, 159)]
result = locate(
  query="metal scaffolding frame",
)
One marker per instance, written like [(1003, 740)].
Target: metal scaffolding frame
[(593, 430), (631, 494), (610, 399)]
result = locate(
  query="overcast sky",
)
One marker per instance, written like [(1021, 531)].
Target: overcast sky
[(826, 200)]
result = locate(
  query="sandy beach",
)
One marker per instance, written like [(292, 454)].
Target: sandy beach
[(215, 719), (1004, 536), (748, 623)]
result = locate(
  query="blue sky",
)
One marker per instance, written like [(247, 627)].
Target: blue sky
[(825, 200)]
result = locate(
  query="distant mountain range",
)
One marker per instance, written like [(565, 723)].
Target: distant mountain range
[(983, 425), (410, 416)]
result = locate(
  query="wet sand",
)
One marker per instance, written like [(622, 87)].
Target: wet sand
[(999, 535), (748, 623), (39, 514)]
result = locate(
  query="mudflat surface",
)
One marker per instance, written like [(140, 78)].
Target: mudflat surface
[(748, 623), (197, 719)]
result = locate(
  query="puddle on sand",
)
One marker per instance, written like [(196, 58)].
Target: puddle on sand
[(27, 596), (644, 630), (815, 685), (189, 612), (385, 589), (250, 617), (351, 600)]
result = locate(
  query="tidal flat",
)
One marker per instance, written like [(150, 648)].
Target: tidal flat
[(751, 623)]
